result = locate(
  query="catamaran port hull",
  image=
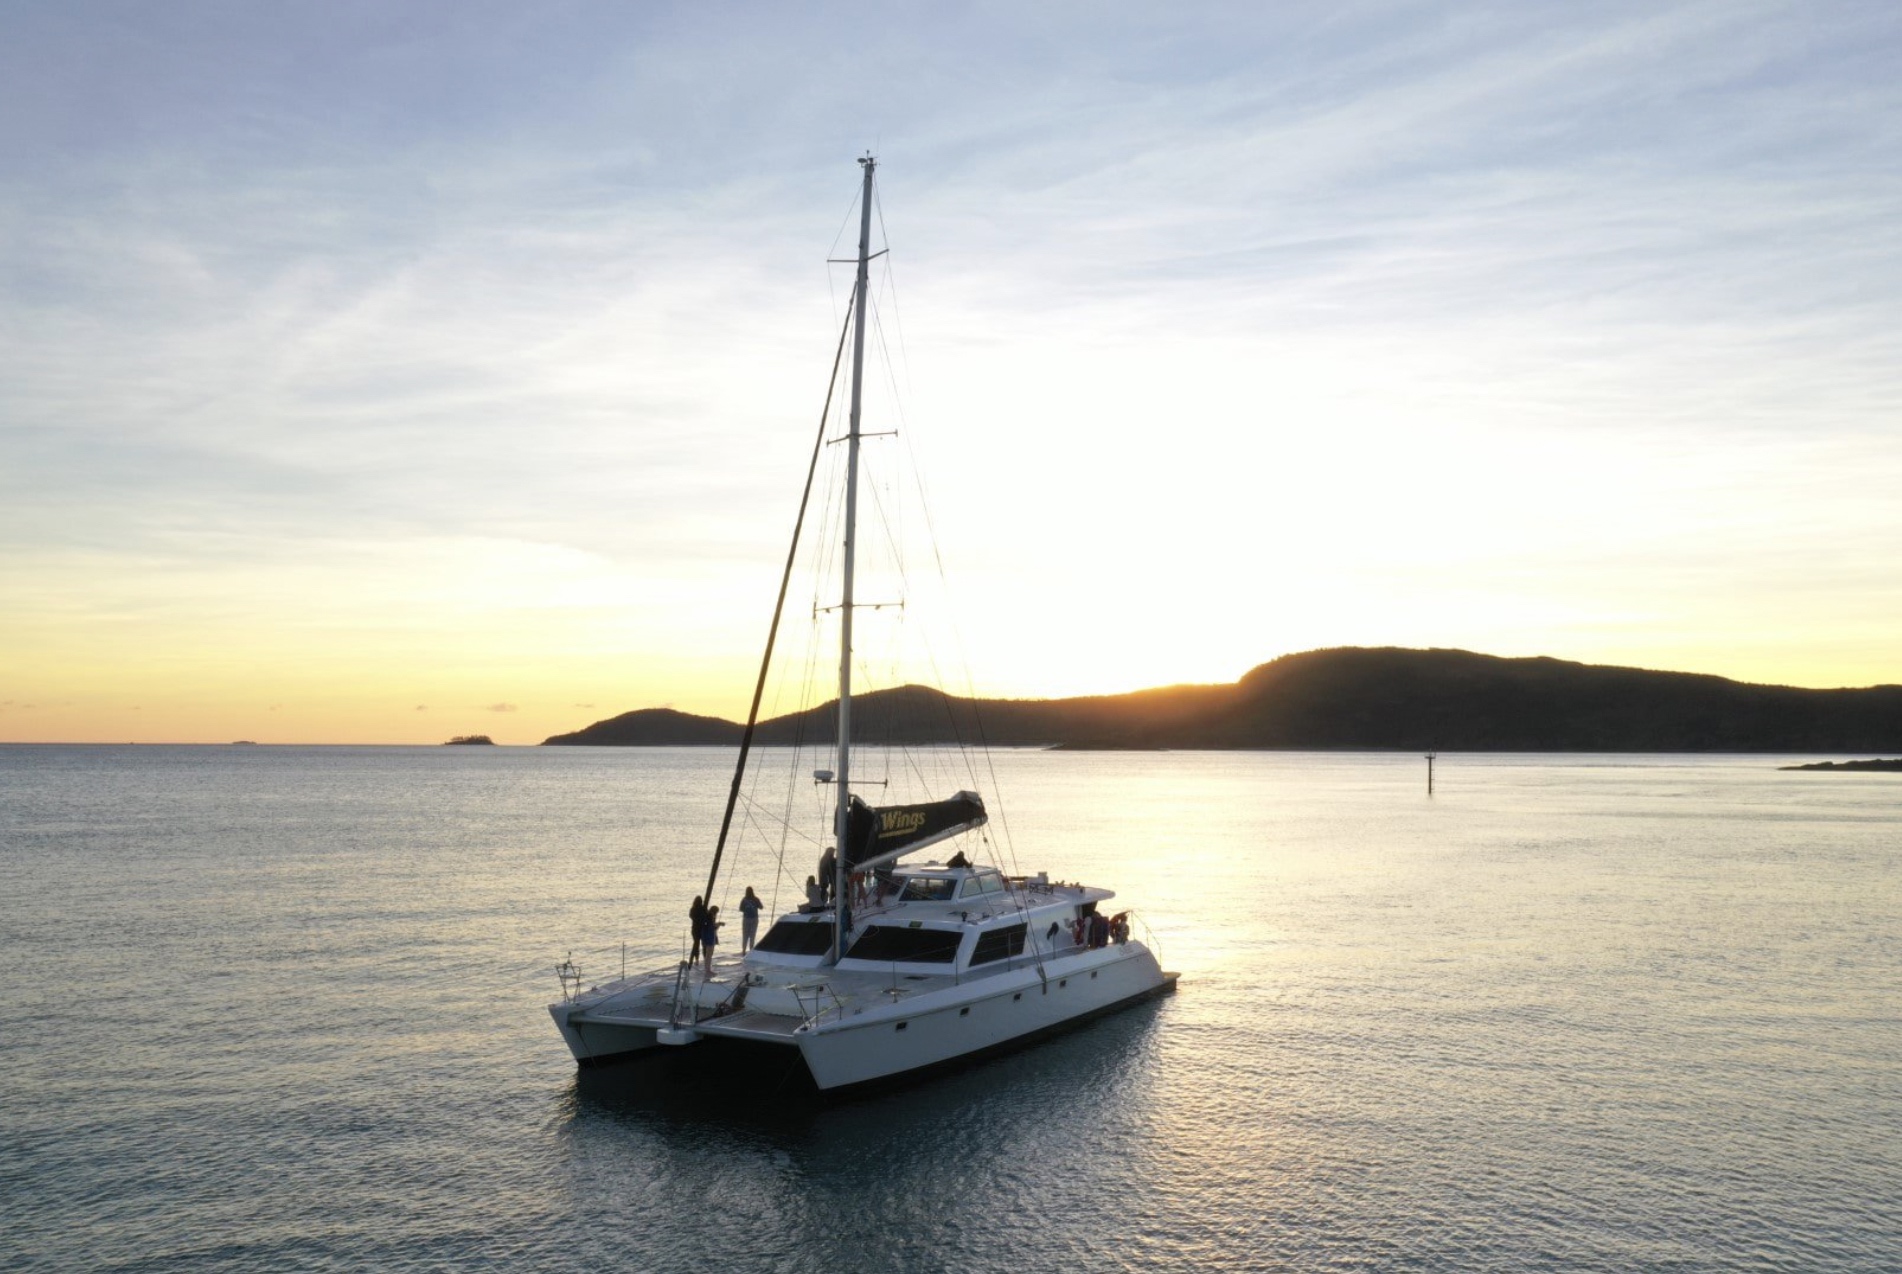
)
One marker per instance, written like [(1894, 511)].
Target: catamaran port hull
[(593, 1041)]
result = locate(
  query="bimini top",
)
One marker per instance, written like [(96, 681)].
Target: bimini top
[(878, 836)]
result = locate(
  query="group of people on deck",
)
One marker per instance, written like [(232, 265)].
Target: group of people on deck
[(1094, 929), (704, 924), (819, 890)]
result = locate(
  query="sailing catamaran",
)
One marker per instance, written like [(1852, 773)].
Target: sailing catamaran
[(908, 966)]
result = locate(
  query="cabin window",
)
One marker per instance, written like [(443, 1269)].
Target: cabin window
[(998, 944), (797, 937), (987, 883), (917, 946), (927, 889)]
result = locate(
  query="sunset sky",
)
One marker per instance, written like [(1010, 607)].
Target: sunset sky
[(381, 372)]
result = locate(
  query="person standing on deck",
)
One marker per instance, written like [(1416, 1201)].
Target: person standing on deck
[(710, 938), (749, 919), (696, 923)]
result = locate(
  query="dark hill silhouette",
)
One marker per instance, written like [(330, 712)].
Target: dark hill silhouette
[(655, 727), (1356, 698), (1456, 699)]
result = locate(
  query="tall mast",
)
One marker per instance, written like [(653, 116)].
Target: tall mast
[(841, 902)]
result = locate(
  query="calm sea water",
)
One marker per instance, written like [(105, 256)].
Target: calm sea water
[(283, 1008)]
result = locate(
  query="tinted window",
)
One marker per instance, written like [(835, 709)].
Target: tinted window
[(797, 937), (926, 889), (924, 946), (998, 944), (988, 883)]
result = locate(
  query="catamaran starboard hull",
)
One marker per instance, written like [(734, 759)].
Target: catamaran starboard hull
[(1022, 1008)]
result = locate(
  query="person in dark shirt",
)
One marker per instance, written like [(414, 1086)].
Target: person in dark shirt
[(696, 923), (710, 937)]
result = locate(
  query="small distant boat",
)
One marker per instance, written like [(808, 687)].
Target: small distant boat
[(909, 965)]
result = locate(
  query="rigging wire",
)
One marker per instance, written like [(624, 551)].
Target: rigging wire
[(878, 334), (916, 763), (779, 607), (823, 564), (964, 662), (824, 540), (832, 292), (962, 746), (891, 282), (897, 538)]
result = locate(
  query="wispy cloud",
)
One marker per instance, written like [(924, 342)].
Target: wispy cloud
[(371, 320)]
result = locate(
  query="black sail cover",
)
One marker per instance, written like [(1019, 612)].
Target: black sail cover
[(878, 836)]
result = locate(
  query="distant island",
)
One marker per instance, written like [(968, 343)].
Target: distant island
[(1892, 765), (479, 739), (1349, 697)]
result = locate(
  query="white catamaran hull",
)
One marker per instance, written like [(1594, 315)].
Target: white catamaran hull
[(914, 1036), (593, 1041), (875, 1031)]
